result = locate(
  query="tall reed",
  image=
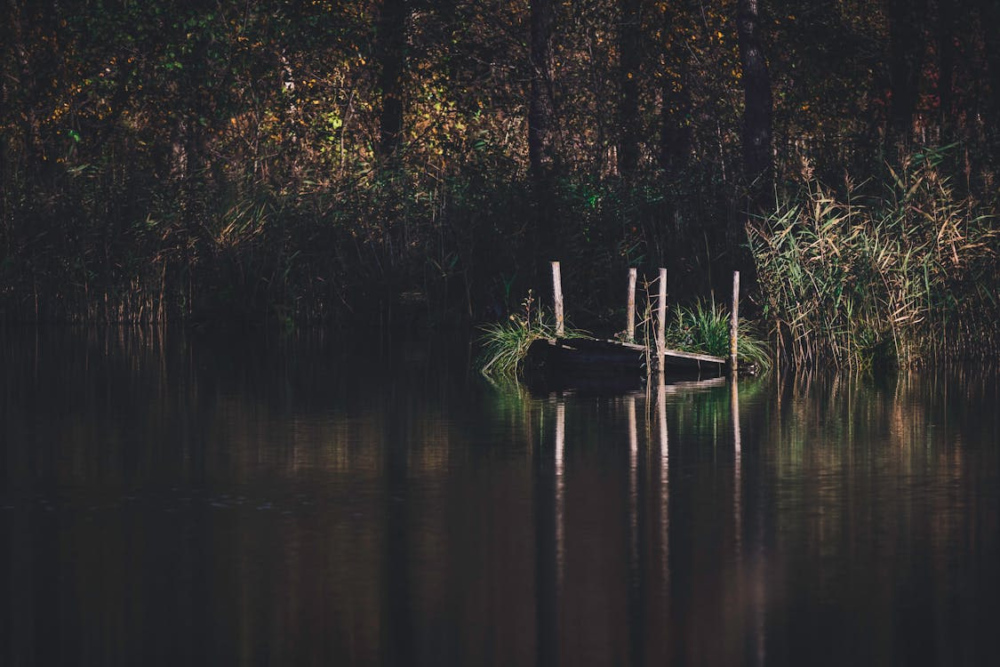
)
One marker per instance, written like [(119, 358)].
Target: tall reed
[(906, 274)]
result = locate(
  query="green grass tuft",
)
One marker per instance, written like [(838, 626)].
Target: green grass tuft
[(704, 328), (505, 344)]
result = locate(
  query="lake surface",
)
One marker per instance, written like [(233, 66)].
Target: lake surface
[(176, 500)]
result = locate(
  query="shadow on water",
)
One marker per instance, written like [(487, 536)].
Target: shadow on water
[(308, 499)]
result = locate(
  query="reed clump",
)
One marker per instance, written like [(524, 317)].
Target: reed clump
[(905, 274)]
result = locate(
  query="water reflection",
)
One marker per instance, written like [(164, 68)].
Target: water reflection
[(560, 483), (661, 414), (633, 483), (734, 411), (311, 500)]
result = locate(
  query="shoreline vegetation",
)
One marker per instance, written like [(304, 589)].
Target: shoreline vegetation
[(902, 272), (391, 164)]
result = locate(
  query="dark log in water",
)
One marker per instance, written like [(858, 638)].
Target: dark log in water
[(606, 357)]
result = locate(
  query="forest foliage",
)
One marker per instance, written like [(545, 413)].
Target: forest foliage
[(337, 160)]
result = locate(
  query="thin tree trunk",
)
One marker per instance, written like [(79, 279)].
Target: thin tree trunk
[(541, 108), (946, 63), (630, 48), (906, 50), (757, 158), (541, 137), (390, 45), (9, 81), (675, 108), (989, 19)]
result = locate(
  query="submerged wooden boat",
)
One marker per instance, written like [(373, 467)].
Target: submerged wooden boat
[(583, 356)]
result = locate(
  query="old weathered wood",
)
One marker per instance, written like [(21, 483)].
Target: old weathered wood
[(611, 356), (630, 330), (557, 299), (661, 325), (734, 321)]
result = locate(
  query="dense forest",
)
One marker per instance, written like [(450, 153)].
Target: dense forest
[(361, 161)]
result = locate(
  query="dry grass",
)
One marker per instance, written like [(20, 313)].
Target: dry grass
[(904, 276)]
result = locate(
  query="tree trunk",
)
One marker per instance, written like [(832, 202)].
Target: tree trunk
[(989, 15), (946, 64), (9, 81), (675, 131), (630, 49), (757, 158), (541, 138), (675, 109), (906, 50), (541, 108), (390, 45)]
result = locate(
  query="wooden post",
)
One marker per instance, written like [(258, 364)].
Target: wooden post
[(661, 325), (630, 331), (557, 299), (734, 322)]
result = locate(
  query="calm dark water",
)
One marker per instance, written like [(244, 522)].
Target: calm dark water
[(169, 500)]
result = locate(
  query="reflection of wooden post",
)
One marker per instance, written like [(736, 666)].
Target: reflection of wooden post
[(661, 325), (661, 412), (734, 409), (557, 299), (560, 495), (633, 484), (630, 331), (734, 321)]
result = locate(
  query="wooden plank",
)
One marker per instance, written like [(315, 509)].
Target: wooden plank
[(694, 356)]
